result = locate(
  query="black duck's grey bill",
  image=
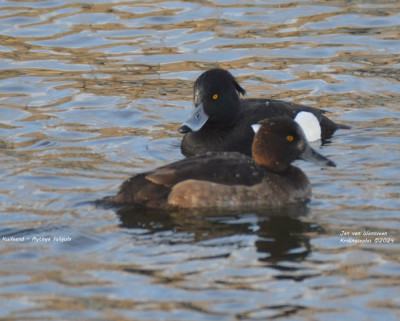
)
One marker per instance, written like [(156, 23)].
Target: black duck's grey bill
[(313, 156), (196, 120)]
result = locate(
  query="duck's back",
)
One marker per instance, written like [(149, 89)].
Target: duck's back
[(256, 109)]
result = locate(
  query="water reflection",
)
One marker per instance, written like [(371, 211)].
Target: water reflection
[(281, 234)]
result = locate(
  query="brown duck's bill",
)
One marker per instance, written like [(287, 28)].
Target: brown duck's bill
[(196, 120), (311, 155)]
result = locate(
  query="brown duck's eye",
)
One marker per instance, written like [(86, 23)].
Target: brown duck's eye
[(289, 138), (215, 97)]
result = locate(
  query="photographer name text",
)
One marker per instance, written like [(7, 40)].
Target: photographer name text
[(365, 237)]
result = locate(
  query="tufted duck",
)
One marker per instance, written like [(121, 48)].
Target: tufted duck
[(221, 120)]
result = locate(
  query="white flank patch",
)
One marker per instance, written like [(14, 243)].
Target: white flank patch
[(267, 103), (310, 125), (256, 127)]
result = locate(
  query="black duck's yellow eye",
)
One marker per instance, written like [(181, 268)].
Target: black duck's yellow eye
[(289, 138), (215, 96)]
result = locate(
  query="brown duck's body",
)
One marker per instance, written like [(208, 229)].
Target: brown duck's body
[(215, 180)]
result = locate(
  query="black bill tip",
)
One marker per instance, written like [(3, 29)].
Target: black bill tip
[(184, 129)]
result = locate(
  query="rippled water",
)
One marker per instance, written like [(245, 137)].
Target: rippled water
[(93, 91)]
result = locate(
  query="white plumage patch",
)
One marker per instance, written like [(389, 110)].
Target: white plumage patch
[(310, 125), (256, 127)]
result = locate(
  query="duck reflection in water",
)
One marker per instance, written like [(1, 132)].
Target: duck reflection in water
[(282, 235)]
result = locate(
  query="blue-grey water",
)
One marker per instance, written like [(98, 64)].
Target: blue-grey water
[(92, 92)]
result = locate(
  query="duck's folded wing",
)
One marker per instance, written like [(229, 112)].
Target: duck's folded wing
[(223, 168)]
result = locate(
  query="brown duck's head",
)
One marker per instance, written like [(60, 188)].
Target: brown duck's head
[(280, 141)]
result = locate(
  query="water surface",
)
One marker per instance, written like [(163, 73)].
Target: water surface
[(92, 92)]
